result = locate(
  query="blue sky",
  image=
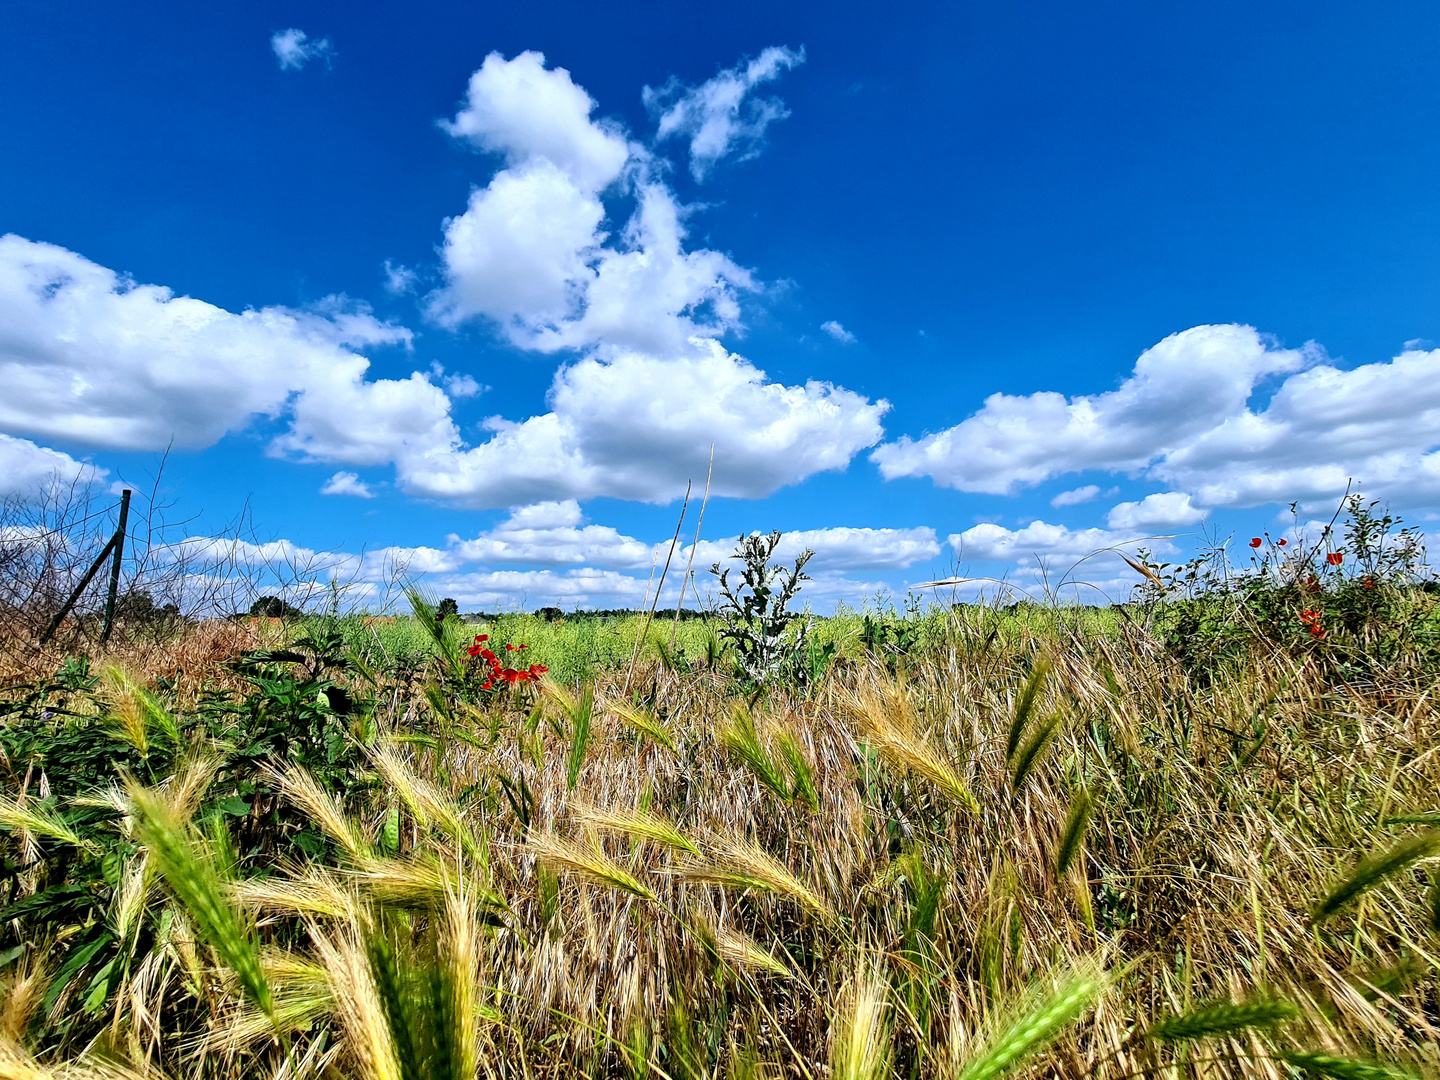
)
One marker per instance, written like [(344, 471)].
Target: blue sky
[(324, 247)]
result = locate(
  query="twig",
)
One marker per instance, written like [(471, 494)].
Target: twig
[(645, 625), (690, 565)]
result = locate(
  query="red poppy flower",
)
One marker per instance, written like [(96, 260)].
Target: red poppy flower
[(473, 650), (1335, 558), (1283, 542), (1255, 541), (509, 647), (1369, 583), (482, 637), (486, 685)]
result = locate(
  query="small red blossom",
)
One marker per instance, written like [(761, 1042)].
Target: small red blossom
[(482, 637), (1369, 583), (1335, 558), (536, 670), (486, 685), (509, 647), (473, 650), (1283, 541), (1255, 541)]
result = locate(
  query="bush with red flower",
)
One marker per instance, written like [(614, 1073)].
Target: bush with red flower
[(486, 666)]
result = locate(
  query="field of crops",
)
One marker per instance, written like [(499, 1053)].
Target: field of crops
[(1191, 838)]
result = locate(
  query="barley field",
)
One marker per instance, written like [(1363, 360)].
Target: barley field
[(1173, 839)]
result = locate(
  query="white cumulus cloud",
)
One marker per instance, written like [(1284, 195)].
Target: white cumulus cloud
[(88, 355), (1194, 415), (293, 49), (347, 483), (1076, 496), (722, 114), (1162, 510), (27, 469), (636, 427)]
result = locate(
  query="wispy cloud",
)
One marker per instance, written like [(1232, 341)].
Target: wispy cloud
[(721, 115), (293, 49), (838, 332)]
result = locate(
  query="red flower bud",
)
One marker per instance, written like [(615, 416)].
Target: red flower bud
[(1256, 541), (1335, 558)]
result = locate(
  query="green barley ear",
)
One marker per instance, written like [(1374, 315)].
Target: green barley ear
[(1222, 1018), (406, 1028), (742, 740), (801, 775), (1425, 817), (1029, 755), (1025, 705), (193, 879), (580, 717), (645, 722), (1339, 1068), (1077, 821), (1376, 869), (1035, 1027)]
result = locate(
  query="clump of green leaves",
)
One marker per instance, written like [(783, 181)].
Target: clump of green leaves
[(756, 611)]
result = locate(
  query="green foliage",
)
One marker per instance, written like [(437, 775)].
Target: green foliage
[(756, 612)]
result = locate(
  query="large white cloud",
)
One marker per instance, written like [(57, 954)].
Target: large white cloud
[(27, 469), (838, 549), (530, 253), (521, 110), (1038, 540), (1193, 414), (721, 114), (1164, 509), (637, 427), (88, 356)]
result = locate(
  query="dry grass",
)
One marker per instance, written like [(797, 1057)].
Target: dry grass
[(677, 914)]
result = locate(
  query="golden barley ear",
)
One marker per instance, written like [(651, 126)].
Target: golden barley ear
[(894, 739), (1372, 871), (648, 826), (860, 1033), (587, 863), (301, 788)]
